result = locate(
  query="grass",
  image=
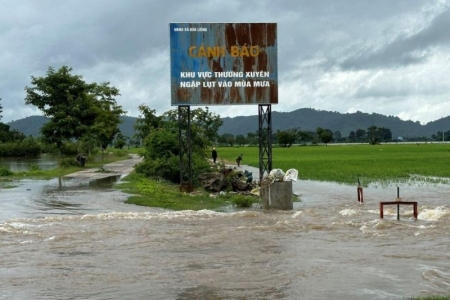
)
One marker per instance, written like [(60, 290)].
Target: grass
[(135, 150), (157, 193), (347, 164)]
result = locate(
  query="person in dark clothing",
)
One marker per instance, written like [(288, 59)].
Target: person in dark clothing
[(81, 160), (239, 159), (214, 155)]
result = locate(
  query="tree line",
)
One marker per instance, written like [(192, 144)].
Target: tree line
[(286, 138), (15, 143)]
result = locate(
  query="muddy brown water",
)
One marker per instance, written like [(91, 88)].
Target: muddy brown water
[(65, 239)]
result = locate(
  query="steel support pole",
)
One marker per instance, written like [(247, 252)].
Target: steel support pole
[(184, 138), (265, 139)]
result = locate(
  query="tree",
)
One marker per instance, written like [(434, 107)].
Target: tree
[(360, 135), (373, 135), (240, 140), (337, 136), (1, 109), (287, 138), (6, 135), (162, 144), (74, 108), (108, 114), (87, 143), (120, 141), (305, 136), (161, 155), (325, 135), (147, 122), (442, 136), (204, 124), (133, 142), (352, 137), (386, 134), (252, 138), (227, 139), (376, 134)]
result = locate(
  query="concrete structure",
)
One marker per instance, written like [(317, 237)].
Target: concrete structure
[(277, 195)]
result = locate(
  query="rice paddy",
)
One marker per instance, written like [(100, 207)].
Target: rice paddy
[(383, 163)]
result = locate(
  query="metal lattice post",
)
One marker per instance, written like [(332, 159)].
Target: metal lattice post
[(184, 137), (265, 139)]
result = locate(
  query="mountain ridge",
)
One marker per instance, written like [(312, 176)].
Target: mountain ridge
[(32, 125), (307, 119)]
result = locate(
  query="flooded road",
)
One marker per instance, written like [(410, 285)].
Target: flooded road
[(68, 240)]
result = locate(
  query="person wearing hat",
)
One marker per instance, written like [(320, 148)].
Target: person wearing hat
[(214, 155)]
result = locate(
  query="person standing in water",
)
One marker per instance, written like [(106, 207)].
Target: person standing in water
[(214, 155)]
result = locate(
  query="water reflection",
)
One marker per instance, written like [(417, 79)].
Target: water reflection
[(22, 164)]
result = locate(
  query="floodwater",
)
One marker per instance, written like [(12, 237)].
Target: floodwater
[(23, 164), (66, 240)]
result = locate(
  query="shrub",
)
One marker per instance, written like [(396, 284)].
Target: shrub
[(121, 153), (67, 162), (167, 168), (71, 148), (30, 147), (242, 200), (5, 172), (27, 147)]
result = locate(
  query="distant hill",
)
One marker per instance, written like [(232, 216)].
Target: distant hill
[(29, 125), (305, 118), (32, 125), (308, 119)]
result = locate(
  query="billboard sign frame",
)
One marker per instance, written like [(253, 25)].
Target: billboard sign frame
[(223, 63)]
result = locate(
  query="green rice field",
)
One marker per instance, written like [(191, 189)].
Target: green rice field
[(347, 163)]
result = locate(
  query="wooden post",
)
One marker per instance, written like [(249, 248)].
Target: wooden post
[(359, 191)]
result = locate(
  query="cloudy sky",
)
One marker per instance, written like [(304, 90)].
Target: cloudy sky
[(387, 56)]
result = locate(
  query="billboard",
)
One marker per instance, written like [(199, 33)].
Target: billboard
[(223, 63)]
